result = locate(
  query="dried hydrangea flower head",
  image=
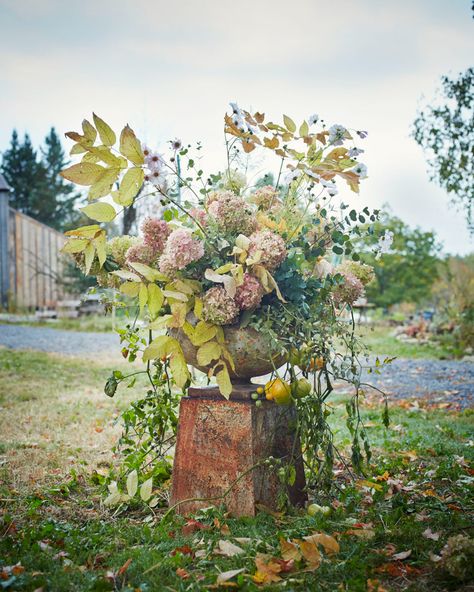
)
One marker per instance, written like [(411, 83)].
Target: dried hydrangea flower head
[(266, 198), (231, 212), (218, 307), (349, 291), (250, 293), (269, 247), (155, 233), (365, 273), (180, 250)]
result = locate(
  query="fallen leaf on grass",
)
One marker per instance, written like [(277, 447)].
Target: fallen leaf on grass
[(375, 586), (311, 553), (398, 569), (192, 526), (402, 555), (124, 567), (184, 550), (268, 569), (362, 533), (429, 534), (329, 543), (228, 575), (289, 550), (182, 573), (228, 549)]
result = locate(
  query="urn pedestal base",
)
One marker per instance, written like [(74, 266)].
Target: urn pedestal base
[(218, 440)]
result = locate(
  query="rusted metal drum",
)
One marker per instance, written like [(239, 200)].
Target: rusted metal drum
[(220, 440)]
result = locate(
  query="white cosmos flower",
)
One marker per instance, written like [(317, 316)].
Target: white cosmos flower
[(154, 160), (361, 170), (312, 174), (336, 134), (176, 144), (354, 152), (313, 119), (291, 176), (330, 187), (385, 243)]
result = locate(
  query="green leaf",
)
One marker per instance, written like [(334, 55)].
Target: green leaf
[(129, 186), (75, 245), (90, 133), (179, 368), (223, 382), (84, 173), (89, 253), (100, 211), (203, 332), (132, 483), (107, 135), (88, 231), (127, 275), (104, 185), (289, 123), (164, 345), (146, 489), (142, 296), (208, 352), (130, 289), (130, 146), (152, 275), (304, 129), (99, 244), (155, 299)]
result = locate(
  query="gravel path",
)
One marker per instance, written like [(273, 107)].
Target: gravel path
[(57, 340), (435, 381)]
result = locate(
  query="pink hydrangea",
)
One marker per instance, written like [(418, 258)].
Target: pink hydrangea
[(141, 253), (231, 212), (349, 291), (180, 250), (200, 215), (250, 293), (271, 247), (218, 307), (155, 232)]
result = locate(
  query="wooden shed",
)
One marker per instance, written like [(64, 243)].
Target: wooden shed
[(30, 259)]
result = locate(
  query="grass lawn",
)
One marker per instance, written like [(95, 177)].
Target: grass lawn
[(57, 428)]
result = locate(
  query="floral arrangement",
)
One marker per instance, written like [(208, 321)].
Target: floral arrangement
[(279, 257)]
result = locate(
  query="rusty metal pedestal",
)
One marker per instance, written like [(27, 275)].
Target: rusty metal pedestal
[(219, 440)]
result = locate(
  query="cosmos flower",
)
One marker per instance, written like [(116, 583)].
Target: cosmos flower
[(361, 170), (313, 119), (336, 134)]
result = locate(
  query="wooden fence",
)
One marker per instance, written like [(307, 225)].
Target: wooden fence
[(31, 261)]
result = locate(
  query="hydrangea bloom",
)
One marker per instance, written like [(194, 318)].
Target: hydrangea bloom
[(200, 215), (250, 293), (231, 212), (265, 198), (118, 246), (349, 291), (155, 233), (180, 250), (363, 272), (218, 307), (234, 180), (141, 253), (271, 247)]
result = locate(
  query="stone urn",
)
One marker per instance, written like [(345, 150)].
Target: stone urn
[(222, 444), (251, 351)]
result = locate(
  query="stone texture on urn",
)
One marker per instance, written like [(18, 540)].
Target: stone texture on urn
[(219, 440)]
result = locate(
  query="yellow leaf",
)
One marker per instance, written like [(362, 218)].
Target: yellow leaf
[(77, 149), (155, 299), (142, 296), (329, 543), (179, 368), (223, 381), (129, 186), (178, 310), (130, 146), (75, 245), (289, 550), (311, 553), (85, 231), (208, 352), (127, 275), (89, 131), (171, 294), (152, 275), (226, 354), (304, 129), (267, 569), (100, 211), (130, 288), (84, 173), (104, 153), (289, 123), (107, 135), (271, 143), (104, 185), (89, 253), (99, 244), (161, 322), (198, 307), (203, 332)]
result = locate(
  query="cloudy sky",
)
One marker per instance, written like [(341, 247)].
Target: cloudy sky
[(170, 68)]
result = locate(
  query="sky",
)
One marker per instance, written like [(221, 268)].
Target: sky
[(170, 69)]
